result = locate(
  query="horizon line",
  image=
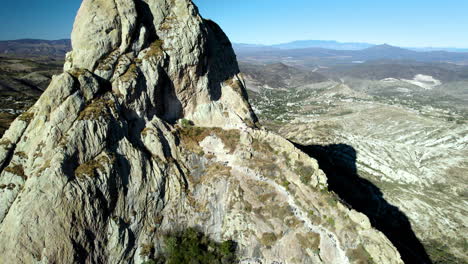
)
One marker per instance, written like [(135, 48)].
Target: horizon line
[(283, 43)]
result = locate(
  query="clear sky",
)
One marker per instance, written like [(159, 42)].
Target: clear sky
[(420, 23)]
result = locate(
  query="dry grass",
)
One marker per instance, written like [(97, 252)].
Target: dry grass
[(97, 108), (26, 117), (22, 155), (191, 137), (5, 142), (147, 130), (91, 168), (155, 49), (304, 172), (268, 239), (77, 72), (309, 240), (360, 256), (130, 74), (16, 170), (146, 249), (45, 166), (235, 84), (166, 26)]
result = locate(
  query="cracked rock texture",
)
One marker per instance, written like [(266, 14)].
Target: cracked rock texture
[(98, 170)]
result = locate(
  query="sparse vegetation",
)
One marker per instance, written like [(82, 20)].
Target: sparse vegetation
[(304, 172), (77, 72), (309, 240), (155, 49), (440, 253), (268, 239), (26, 117), (130, 74), (91, 168), (330, 221), (16, 169), (360, 255), (235, 84), (5, 142), (193, 247), (21, 154), (97, 108), (191, 136), (185, 123)]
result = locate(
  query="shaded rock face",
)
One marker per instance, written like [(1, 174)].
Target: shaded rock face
[(97, 171)]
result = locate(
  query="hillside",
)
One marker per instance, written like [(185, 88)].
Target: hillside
[(35, 48), (401, 141)]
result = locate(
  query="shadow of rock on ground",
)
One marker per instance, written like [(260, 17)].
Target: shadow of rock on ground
[(338, 161)]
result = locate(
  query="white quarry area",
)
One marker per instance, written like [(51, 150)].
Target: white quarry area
[(424, 81)]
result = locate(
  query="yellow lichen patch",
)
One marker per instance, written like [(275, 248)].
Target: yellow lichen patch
[(77, 72), (106, 63), (21, 154), (218, 169), (45, 166), (191, 136), (146, 131), (292, 222), (91, 168), (268, 239), (309, 240), (146, 249), (267, 197), (262, 146), (360, 255), (5, 142), (235, 84), (96, 109), (165, 26), (130, 74), (155, 49), (26, 117), (16, 170)]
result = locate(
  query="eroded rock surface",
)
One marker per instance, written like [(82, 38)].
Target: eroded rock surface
[(97, 171)]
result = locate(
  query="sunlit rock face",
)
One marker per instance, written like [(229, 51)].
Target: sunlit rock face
[(98, 170)]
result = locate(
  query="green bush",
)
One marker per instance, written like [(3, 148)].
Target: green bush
[(185, 123), (193, 247)]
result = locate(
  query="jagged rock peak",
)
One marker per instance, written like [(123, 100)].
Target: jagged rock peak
[(185, 61), (97, 171)]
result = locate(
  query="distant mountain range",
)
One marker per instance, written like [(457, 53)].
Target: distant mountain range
[(326, 44), (35, 48), (335, 45), (313, 51), (322, 56)]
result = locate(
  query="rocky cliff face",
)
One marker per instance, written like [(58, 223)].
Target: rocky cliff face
[(97, 171)]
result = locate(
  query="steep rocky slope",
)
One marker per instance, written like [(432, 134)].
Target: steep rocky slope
[(106, 163)]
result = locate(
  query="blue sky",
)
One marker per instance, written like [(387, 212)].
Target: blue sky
[(399, 22)]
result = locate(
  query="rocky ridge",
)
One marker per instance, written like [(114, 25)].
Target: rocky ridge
[(98, 170)]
